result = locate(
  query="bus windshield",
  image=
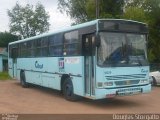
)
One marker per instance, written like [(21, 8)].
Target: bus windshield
[(122, 49)]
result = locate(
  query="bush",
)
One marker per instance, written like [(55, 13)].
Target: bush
[(4, 76)]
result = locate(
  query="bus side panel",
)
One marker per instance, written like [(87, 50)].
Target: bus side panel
[(74, 67), (41, 71), (33, 77), (47, 72), (51, 81), (78, 85), (52, 77)]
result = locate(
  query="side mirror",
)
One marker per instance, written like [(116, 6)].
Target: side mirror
[(98, 41)]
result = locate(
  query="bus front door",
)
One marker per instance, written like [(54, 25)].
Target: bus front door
[(89, 74)]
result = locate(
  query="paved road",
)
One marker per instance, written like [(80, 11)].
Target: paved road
[(15, 99)]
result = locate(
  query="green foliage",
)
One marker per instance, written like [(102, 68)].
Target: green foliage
[(90, 10), (40, 23), (76, 9), (4, 76), (27, 22), (85, 10), (112, 7), (152, 8), (6, 37), (147, 11), (135, 13)]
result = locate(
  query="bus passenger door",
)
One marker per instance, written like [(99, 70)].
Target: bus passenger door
[(89, 74), (14, 56)]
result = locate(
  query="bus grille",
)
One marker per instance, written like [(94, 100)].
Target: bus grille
[(125, 77), (127, 82)]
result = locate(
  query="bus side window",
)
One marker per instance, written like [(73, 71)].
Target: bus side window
[(33, 48), (51, 45), (14, 53), (44, 46), (38, 51), (23, 49), (71, 43), (56, 45), (29, 45)]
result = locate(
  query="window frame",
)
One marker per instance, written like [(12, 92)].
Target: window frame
[(70, 41)]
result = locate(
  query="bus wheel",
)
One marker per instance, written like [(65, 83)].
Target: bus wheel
[(68, 90), (23, 80)]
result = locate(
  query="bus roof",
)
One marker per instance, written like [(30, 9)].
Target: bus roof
[(70, 29)]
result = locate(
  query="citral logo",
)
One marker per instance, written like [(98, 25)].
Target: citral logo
[(144, 71), (37, 65)]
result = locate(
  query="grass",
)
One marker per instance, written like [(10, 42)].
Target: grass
[(4, 76)]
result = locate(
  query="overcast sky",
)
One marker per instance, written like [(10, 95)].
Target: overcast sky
[(57, 19)]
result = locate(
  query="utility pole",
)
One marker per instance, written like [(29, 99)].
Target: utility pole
[(97, 9)]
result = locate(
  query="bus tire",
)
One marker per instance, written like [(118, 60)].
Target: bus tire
[(23, 80), (68, 90)]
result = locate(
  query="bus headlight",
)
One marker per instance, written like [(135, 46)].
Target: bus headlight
[(105, 84), (100, 84), (108, 84), (144, 81)]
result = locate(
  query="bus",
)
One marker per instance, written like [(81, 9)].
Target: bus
[(99, 59)]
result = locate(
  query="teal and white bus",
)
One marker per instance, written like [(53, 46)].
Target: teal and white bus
[(99, 59)]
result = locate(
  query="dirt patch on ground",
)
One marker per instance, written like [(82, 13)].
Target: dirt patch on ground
[(38, 100)]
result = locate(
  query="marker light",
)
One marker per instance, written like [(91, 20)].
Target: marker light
[(144, 81), (108, 84)]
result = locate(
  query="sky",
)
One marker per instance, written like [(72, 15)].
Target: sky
[(57, 19)]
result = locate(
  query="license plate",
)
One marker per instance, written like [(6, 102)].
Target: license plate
[(130, 91)]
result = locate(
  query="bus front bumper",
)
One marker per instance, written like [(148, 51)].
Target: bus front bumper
[(125, 91)]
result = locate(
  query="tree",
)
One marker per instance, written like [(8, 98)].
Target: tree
[(27, 21), (135, 13), (76, 9), (85, 10), (147, 11), (6, 37)]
